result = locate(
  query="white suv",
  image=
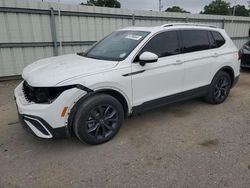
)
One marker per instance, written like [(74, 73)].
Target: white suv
[(132, 69)]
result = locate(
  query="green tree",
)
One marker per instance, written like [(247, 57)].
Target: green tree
[(176, 9), (103, 3), (217, 7), (240, 10)]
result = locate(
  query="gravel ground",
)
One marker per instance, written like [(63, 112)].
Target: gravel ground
[(190, 144)]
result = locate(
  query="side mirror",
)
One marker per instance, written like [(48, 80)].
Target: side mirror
[(147, 57)]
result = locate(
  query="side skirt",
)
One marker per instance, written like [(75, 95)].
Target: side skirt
[(186, 95)]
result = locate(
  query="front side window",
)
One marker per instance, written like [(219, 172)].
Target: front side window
[(117, 46), (163, 44), (194, 40)]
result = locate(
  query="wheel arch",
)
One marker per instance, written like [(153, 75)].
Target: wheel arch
[(112, 92), (228, 70)]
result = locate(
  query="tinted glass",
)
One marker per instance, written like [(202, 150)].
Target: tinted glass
[(211, 40), (163, 44), (117, 46), (194, 40), (218, 38)]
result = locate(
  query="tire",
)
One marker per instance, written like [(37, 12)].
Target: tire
[(219, 88), (98, 119)]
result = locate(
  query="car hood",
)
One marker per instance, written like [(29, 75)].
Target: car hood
[(51, 71)]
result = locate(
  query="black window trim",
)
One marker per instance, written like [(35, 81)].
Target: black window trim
[(180, 40), (155, 34)]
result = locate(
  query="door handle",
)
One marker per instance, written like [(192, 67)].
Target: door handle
[(216, 55), (178, 62)]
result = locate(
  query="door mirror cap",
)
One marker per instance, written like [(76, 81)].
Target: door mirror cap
[(148, 57)]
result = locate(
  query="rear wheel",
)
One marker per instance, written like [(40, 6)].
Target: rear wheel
[(98, 119), (219, 88)]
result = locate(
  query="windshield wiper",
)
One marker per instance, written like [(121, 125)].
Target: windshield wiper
[(81, 53)]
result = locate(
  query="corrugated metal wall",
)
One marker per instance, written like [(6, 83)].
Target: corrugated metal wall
[(30, 30)]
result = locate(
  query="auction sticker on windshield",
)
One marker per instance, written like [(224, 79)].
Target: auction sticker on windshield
[(133, 37)]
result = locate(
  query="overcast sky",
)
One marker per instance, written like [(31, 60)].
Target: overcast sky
[(194, 6)]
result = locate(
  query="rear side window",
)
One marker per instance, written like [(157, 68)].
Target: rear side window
[(211, 40), (195, 40), (219, 40), (163, 44)]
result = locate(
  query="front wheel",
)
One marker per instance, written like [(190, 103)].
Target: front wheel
[(98, 119), (219, 88)]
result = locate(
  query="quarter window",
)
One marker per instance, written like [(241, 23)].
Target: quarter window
[(163, 44), (194, 40), (218, 38)]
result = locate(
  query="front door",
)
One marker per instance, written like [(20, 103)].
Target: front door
[(162, 78)]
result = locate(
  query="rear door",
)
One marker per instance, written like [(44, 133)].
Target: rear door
[(199, 57)]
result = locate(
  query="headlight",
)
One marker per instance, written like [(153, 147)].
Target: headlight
[(44, 95)]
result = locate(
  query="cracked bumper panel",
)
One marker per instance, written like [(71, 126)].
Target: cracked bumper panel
[(40, 128), (44, 120)]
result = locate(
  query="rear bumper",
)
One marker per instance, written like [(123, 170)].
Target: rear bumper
[(40, 128)]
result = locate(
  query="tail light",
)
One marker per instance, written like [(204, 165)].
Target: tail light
[(240, 54)]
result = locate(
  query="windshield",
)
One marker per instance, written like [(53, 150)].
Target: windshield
[(116, 46)]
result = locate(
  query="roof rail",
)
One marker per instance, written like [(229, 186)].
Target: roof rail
[(187, 24)]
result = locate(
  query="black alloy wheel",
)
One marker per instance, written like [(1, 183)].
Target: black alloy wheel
[(98, 119), (102, 121), (219, 88), (222, 88)]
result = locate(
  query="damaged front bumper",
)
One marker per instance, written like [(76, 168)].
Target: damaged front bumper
[(45, 120)]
